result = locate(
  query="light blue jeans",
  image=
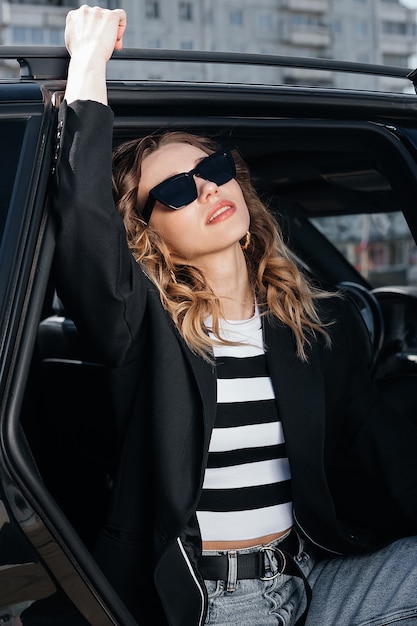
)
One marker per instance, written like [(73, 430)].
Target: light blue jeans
[(378, 589)]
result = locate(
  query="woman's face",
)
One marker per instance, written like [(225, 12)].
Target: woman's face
[(214, 222)]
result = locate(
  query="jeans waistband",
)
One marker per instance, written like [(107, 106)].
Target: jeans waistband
[(249, 564)]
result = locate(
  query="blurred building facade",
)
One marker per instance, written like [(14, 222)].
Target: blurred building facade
[(368, 31)]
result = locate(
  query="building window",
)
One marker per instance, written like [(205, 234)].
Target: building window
[(236, 17), (336, 26), (185, 11), (187, 45), (304, 21), (19, 35), (153, 42), (56, 36), (57, 3), (152, 9), (398, 28), (266, 22), (34, 36), (362, 29), (27, 35), (398, 60)]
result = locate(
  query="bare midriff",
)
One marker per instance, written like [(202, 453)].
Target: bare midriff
[(244, 543)]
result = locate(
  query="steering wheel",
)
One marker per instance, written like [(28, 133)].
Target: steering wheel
[(370, 310)]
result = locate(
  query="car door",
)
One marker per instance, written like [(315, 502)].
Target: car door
[(35, 568)]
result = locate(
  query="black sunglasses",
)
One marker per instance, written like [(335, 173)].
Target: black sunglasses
[(179, 190)]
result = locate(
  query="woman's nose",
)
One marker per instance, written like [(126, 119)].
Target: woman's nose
[(205, 188)]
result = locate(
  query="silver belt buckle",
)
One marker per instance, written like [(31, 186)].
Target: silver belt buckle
[(282, 559)]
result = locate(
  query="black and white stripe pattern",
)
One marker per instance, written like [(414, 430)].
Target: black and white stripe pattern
[(247, 485)]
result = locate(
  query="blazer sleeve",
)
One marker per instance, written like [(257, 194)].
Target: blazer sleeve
[(98, 281)]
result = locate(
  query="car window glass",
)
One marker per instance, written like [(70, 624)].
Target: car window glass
[(11, 138), (378, 245)]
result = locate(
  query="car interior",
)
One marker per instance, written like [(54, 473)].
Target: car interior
[(304, 169)]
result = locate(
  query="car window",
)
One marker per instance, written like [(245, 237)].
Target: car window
[(378, 245), (11, 139)]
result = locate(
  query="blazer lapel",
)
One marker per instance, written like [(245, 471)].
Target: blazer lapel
[(205, 377), (299, 391)]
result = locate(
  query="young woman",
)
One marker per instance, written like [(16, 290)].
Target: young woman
[(258, 460)]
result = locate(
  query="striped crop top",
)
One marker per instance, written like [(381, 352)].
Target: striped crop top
[(247, 484)]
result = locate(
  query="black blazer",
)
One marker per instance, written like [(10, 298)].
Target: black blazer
[(353, 467)]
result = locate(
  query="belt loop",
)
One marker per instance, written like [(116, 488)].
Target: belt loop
[(231, 570)]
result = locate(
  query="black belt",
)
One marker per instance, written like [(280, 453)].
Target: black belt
[(252, 565)]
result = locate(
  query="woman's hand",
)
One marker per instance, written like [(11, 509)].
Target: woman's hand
[(91, 36), (95, 31)]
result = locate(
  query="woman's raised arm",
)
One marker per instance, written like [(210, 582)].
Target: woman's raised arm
[(91, 35), (98, 280)]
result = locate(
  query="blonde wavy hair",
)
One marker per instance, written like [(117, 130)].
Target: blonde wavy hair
[(281, 290)]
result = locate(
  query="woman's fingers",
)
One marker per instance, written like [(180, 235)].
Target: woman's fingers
[(121, 29), (96, 30)]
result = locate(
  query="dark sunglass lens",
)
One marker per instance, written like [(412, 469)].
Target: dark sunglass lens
[(178, 191), (219, 168)]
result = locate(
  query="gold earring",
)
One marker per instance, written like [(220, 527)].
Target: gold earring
[(246, 245)]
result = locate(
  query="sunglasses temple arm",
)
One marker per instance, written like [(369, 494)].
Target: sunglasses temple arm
[(147, 210)]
